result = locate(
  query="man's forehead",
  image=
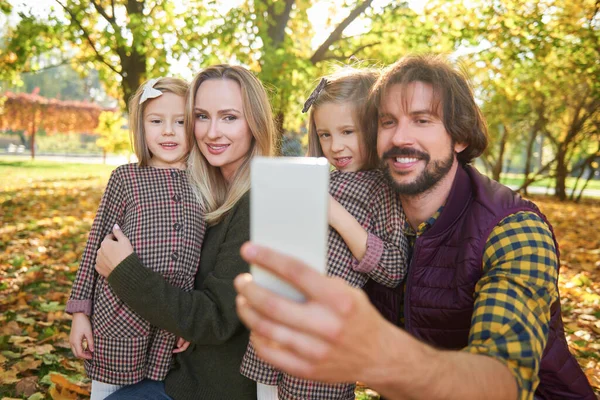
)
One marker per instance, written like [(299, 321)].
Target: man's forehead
[(406, 98)]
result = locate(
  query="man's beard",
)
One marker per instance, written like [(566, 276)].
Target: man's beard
[(428, 179)]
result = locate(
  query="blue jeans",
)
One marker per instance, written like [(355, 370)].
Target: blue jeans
[(144, 390)]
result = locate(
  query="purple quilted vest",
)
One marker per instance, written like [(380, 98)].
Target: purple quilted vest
[(445, 267)]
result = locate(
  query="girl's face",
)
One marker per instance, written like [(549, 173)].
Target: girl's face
[(339, 136), (220, 126), (164, 133)]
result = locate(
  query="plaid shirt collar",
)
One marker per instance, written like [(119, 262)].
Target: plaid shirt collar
[(412, 235)]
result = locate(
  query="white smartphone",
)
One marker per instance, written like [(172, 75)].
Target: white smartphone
[(289, 202)]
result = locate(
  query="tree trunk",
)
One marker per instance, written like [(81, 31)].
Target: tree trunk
[(133, 60), (497, 169), (33, 130), (587, 163), (32, 142), (581, 172), (589, 178), (528, 157), (561, 174), (134, 72), (279, 119)]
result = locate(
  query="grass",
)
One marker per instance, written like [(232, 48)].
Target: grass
[(17, 169), (517, 180)]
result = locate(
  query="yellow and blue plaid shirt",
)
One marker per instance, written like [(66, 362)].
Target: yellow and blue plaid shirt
[(511, 314)]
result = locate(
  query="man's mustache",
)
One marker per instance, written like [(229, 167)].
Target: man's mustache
[(405, 152)]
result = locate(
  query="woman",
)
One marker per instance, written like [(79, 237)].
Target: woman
[(229, 115)]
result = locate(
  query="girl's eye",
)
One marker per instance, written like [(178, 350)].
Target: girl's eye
[(386, 123), (201, 116), (347, 132), (230, 118), (155, 121), (422, 121), (179, 122), (324, 135)]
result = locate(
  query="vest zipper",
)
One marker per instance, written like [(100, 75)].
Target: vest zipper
[(407, 287)]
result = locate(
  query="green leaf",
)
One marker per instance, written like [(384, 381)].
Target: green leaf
[(28, 321), (51, 306)]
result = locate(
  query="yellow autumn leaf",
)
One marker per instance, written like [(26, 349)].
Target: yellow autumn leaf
[(61, 380), (39, 350), (8, 376), (27, 363)]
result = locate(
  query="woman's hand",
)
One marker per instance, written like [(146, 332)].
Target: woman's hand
[(114, 249), (81, 339), (181, 345)]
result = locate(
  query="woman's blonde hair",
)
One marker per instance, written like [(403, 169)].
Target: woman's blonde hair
[(137, 134), (354, 86), (211, 188)]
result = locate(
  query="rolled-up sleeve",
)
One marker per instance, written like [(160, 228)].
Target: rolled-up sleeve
[(511, 316)]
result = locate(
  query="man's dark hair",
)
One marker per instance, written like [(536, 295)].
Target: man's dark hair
[(453, 100)]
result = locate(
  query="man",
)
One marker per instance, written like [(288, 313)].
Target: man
[(479, 312)]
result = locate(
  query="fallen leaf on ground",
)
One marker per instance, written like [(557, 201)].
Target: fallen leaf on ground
[(26, 386), (61, 380)]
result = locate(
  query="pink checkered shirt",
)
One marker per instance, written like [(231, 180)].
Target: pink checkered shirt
[(368, 197), (157, 211)]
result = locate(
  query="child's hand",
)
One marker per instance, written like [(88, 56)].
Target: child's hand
[(81, 339), (181, 345)]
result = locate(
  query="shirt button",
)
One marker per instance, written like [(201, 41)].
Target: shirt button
[(177, 226), (176, 198), (174, 174), (174, 256)]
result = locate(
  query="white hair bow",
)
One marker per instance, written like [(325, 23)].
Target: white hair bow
[(149, 91)]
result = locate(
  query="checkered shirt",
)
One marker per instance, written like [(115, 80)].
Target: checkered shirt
[(367, 196), (511, 315), (157, 211)]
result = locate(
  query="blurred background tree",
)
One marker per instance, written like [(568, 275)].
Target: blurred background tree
[(114, 135), (534, 64)]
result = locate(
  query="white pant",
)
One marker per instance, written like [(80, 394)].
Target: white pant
[(101, 390), (266, 392)]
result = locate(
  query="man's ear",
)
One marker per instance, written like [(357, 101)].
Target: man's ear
[(459, 147)]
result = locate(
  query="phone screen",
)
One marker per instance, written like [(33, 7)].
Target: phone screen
[(288, 212)]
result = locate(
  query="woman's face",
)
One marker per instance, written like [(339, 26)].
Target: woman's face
[(220, 126)]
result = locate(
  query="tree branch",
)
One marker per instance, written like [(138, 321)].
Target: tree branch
[(320, 53), (60, 64), (346, 57), (111, 20), (102, 12), (529, 181), (99, 56), (276, 29)]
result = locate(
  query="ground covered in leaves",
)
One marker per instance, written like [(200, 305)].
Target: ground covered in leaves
[(47, 211)]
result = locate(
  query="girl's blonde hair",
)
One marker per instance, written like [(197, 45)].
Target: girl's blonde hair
[(354, 86), (137, 134), (211, 188)]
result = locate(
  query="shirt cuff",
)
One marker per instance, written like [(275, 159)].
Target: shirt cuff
[(79, 306), (372, 255)]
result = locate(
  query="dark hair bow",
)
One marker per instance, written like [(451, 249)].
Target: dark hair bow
[(313, 96)]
